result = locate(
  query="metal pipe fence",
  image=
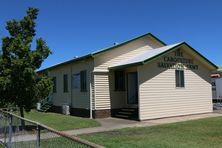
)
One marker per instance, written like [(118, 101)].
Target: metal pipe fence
[(18, 132)]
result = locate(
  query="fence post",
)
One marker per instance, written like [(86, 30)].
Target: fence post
[(38, 136), (9, 145)]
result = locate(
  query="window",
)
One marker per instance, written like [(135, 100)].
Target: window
[(54, 84), (119, 81), (76, 81), (83, 80), (179, 78), (65, 83), (178, 53)]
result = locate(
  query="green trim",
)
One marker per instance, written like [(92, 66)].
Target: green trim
[(67, 62), (208, 61), (163, 43), (91, 55), (148, 60), (125, 66), (164, 53), (126, 42)]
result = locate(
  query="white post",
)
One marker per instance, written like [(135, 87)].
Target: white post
[(38, 136), (90, 98), (9, 145)]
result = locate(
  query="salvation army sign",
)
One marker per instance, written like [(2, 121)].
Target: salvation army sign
[(177, 62)]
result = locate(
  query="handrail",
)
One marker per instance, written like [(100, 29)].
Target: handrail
[(74, 138), (46, 99)]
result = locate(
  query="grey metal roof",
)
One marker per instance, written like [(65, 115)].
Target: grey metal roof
[(146, 56), (91, 55)]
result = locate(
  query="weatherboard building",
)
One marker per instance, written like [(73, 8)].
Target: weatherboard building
[(141, 79)]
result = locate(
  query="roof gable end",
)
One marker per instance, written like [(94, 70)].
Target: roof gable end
[(126, 42), (157, 53)]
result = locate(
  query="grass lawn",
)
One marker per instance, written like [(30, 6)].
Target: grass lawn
[(203, 133), (61, 122)]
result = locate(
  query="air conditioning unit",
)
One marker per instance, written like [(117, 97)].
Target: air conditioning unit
[(66, 109), (38, 106)]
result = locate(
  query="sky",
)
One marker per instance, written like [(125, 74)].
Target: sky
[(77, 27)]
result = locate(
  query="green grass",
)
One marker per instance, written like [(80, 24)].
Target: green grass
[(61, 122), (203, 133)]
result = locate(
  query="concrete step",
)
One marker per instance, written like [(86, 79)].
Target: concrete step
[(129, 109), (122, 116), (125, 113)]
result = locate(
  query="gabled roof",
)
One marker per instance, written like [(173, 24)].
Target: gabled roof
[(91, 55), (154, 54), (140, 59), (126, 42)]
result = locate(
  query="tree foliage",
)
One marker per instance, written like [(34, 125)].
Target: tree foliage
[(19, 82)]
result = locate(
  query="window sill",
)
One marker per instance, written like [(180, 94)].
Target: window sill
[(180, 87)]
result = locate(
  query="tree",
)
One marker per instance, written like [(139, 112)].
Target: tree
[(19, 82)]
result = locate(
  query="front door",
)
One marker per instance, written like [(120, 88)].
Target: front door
[(132, 88)]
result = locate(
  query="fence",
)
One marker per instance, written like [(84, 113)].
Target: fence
[(18, 132)]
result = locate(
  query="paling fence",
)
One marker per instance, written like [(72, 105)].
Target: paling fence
[(18, 132)]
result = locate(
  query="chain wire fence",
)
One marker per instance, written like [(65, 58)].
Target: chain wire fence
[(18, 132)]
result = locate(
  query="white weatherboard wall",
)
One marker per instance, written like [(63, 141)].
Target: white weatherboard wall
[(159, 97), (104, 81), (125, 52), (117, 98), (60, 98), (74, 97), (82, 99), (102, 93)]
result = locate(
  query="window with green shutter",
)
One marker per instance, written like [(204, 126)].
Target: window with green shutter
[(119, 81), (83, 83), (65, 83), (179, 78)]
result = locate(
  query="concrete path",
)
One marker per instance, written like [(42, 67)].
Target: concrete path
[(109, 124)]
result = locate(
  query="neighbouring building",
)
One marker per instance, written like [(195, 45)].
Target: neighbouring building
[(216, 81), (141, 79)]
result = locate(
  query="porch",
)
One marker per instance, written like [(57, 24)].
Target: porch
[(124, 93)]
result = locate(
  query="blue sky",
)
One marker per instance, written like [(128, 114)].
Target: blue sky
[(77, 27)]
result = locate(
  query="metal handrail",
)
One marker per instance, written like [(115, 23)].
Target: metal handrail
[(47, 99), (74, 138)]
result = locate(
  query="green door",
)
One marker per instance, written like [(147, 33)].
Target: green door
[(132, 88)]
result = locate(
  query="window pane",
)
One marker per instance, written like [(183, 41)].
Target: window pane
[(76, 81), (116, 80), (177, 78), (182, 78), (119, 80), (65, 83), (83, 80)]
